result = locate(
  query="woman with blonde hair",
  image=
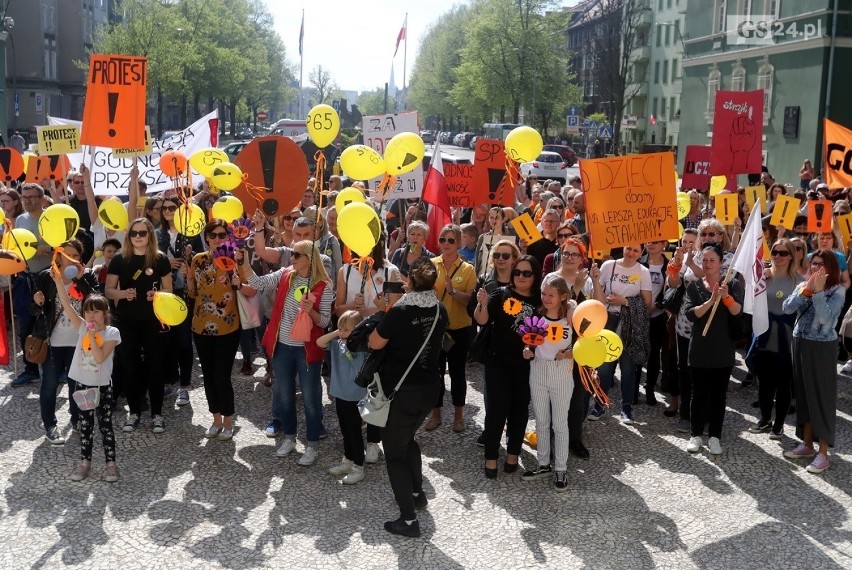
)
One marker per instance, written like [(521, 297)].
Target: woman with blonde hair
[(304, 289), (486, 241)]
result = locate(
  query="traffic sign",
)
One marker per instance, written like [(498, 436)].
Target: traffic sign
[(590, 124), (605, 132), (574, 111), (261, 115)]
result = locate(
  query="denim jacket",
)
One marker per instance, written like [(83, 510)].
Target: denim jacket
[(816, 316)]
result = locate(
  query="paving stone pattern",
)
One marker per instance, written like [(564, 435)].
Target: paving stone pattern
[(641, 501)]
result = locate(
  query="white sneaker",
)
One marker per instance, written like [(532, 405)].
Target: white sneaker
[(183, 397), (847, 368), (372, 453), (344, 468), (286, 447), (355, 476), (694, 445), (309, 456), (715, 446)]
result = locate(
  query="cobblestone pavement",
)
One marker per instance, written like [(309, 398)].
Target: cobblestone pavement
[(641, 501)]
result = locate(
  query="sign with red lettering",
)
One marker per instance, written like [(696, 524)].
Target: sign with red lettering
[(696, 168), (459, 179), (630, 200), (737, 144), (490, 184), (116, 95)]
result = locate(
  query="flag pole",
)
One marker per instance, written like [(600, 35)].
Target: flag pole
[(404, 61), (301, 65)]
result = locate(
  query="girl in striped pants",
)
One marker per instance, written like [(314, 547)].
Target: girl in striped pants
[(551, 381)]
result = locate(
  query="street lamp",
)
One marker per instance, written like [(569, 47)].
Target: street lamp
[(5, 33)]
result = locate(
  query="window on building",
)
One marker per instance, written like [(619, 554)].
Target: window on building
[(672, 108), (654, 107), (663, 108), (659, 35), (669, 4), (738, 76), (668, 34), (773, 8), (656, 72), (675, 74), (721, 14), (714, 80), (677, 37), (747, 9), (765, 81), (666, 71)]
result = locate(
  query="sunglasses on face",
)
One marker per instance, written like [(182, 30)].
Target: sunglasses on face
[(556, 207), (450, 241), (290, 218), (564, 236), (169, 208), (297, 255), (217, 235), (522, 273), (571, 255), (138, 233), (504, 256), (780, 253), (708, 234)]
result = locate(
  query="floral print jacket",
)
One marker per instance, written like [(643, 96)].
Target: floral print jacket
[(216, 311)]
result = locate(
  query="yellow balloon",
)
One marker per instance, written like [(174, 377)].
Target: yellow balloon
[(169, 309), (113, 215), (403, 153), (347, 196), (683, 205), (227, 208), (2, 217), (717, 184), (589, 352), (679, 233), (612, 344), (362, 162), (58, 224), (189, 219), (226, 176), (523, 144), (206, 159), (26, 156), (21, 242), (359, 227), (323, 125)]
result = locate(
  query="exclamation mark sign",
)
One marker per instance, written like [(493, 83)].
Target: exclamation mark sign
[(112, 104), (54, 162), (6, 163), (818, 210), (784, 212), (266, 150)]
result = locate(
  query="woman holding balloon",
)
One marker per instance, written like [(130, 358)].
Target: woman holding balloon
[(133, 277)]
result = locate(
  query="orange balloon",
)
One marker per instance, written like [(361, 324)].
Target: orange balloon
[(173, 163), (589, 318), (11, 263)]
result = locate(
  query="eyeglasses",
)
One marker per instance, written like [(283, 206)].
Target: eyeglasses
[(290, 218), (30, 197), (522, 273), (217, 235), (780, 253), (817, 264), (571, 255), (169, 208), (504, 255), (450, 241), (708, 234), (138, 233), (555, 207), (799, 247), (564, 236)]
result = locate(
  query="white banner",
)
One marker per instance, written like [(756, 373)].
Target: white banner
[(378, 130), (111, 174)]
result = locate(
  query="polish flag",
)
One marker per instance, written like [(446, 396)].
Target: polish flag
[(435, 194), (652, 121), (4, 341), (401, 35)]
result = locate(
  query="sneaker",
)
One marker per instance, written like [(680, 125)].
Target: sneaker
[(801, 451), (309, 457), (715, 446), (819, 464), (596, 413), (131, 423), (344, 468), (538, 473), (847, 368), (323, 433), (286, 447), (354, 476), (627, 415), (273, 428), (227, 434), (24, 378), (694, 445), (212, 432), (561, 481), (169, 390), (158, 424), (761, 427), (420, 500), (402, 528), (54, 437), (111, 472), (183, 397), (372, 453), (684, 426), (82, 471), (480, 441), (776, 435)]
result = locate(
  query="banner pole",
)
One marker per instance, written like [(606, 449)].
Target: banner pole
[(14, 353), (716, 304)]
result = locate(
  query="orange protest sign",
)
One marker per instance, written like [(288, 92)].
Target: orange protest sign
[(754, 194), (41, 168), (116, 96), (526, 229), (11, 164), (844, 222), (490, 185), (459, 179), (819, 216), (277, 173), (785, 211), (726, 208), (630, 200), (838, 154)]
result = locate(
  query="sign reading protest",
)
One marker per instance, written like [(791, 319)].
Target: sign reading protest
[(58, 140), (459, 179), (490, 184), (737, 144), (838, 154), (111, 173), (116, 95), (696, 168), (143, 151), (378, 130), (630, 200)]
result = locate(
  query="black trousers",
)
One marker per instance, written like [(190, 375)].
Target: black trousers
[(775, 386), (142, 376), (454, 360), (216, 354), (659, 338), (507, 401), (684, 377), (578, 408), (178, 358), (709, 394), (409, 408), (349, 419)]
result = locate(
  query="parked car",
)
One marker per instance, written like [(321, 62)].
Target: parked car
[(234, 148), (472, 145), (445, 158), (427, 136), (566, 152), (547, 165), (245, 133)]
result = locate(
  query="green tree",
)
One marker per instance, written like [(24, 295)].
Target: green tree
[(372, 102), (321, 80)]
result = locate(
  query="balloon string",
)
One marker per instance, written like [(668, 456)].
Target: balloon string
[(512, 176), (591, 383), (364, 265), (388, 181), (319, 175)]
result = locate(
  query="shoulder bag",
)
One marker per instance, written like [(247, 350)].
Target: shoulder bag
[(375, 406), (37, 344)]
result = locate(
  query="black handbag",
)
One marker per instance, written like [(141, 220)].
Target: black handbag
[(479, 348), (673, 298)]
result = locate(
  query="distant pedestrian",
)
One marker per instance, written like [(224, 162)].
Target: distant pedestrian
[(18, 143)]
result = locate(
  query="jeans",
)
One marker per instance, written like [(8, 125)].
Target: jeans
[(628, 377), (58, 362), (216, 354), (287, 363)]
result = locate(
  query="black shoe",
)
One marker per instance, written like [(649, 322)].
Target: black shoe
[(669, 413), (650, 397), (510, 467), (761, 427), (480, 441), (402, 528), (420, 500), (755, 404), (577, 449), (541, 471), (490, 472)]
